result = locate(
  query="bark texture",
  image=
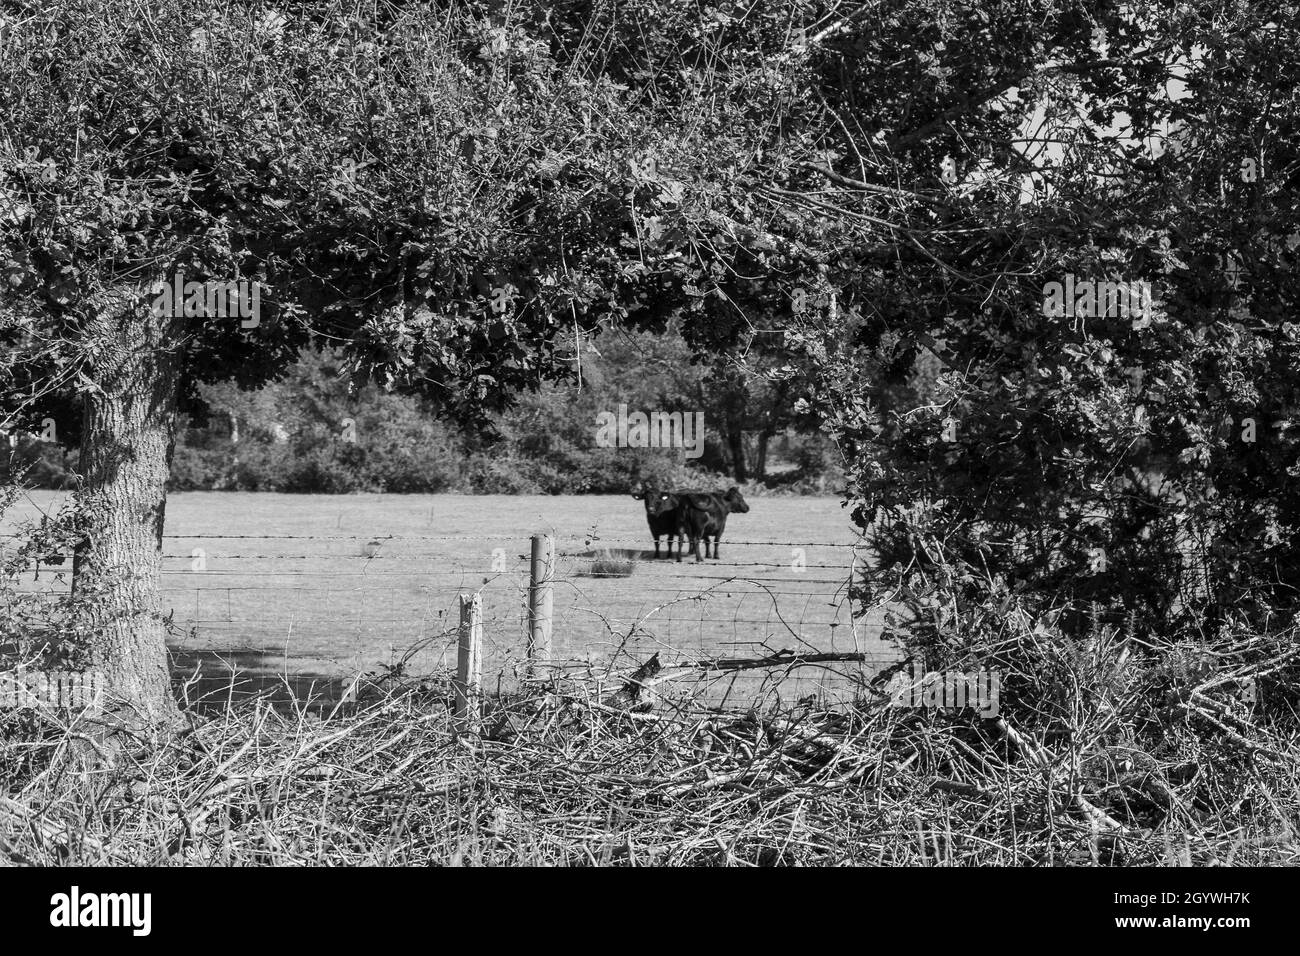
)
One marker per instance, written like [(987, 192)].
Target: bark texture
[(127, 440)]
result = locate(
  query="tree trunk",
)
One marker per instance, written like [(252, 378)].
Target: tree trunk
[(127, 441), (234, 443), (760, 457), (736, 443)]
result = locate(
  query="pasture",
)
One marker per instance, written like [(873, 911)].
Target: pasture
[(302, 593)]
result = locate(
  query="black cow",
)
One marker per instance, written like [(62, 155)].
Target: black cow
[(661, 515), (702, 514)]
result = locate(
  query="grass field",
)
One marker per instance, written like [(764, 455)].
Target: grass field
[(307, 590)]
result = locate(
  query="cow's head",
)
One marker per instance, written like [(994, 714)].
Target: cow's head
[(656, 502), (735, 500)]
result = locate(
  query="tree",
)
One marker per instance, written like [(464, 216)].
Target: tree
[(1105, 468), (400, 182)]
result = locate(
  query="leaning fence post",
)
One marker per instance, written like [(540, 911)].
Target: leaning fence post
[(469, 656), (539, 604)]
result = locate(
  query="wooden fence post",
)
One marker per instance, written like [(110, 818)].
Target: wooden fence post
[(469, 657), (541, 569)]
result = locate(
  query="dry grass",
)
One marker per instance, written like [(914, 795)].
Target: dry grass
[(611, 565), (567, 774)]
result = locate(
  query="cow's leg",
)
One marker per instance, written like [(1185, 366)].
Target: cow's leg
[(670, 545), (715, 546)]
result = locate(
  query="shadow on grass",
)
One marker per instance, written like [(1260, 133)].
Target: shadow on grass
[(208, 681)]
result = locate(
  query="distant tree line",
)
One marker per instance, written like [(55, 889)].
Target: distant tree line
[(313, 432)]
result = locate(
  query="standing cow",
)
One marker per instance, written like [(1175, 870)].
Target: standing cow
[(702, 514), (661, 515)]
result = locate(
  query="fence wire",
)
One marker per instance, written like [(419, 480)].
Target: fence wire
[(313, 611)]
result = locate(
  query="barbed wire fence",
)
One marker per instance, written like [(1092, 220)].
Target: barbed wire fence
[(307, 615)]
